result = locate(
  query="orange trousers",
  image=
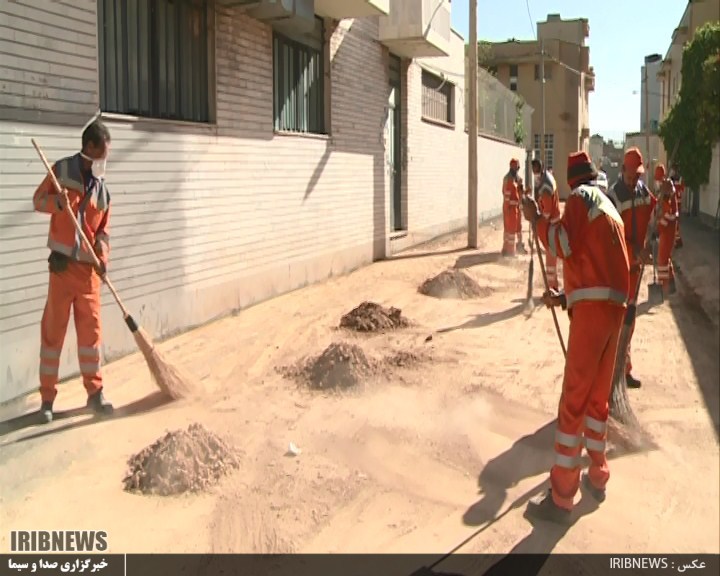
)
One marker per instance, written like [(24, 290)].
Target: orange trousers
[(512, 228), (583, 411), (665, 247), (77, 287)]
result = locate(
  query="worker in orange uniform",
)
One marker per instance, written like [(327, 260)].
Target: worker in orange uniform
[(548, 199), (666, 227), (74, 281), (512, 225), (636, 205), (679, 191), (590, 240)]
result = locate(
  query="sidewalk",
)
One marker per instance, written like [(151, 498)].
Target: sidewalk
[(698, 264)]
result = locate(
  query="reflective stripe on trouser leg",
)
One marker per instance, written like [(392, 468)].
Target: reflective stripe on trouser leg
[(597, 408), (88, 327), (587, 343), (53, 326)]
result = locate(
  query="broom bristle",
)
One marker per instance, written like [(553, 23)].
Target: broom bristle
[(628, 438), (168, 378)]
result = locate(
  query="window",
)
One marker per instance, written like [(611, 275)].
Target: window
[(298, 82), (513, 77), (548, 71), (154, 58), (438, 98), (549, 149)]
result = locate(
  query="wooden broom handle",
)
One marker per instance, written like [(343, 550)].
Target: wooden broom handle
[(91, 249)]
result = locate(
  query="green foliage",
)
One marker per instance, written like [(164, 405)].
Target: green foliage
[(694, 120), (519, 128)]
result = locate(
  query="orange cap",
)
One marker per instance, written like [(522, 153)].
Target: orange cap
[(634, 161), (660, 172), (514, 163)]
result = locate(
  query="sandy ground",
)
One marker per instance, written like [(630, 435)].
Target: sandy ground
[(415, 461)]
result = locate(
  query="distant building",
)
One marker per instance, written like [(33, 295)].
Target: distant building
[(569, 79), (597, 145), (652, 98), (697, 13)]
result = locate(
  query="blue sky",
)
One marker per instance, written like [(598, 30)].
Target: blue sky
[(618, 45)]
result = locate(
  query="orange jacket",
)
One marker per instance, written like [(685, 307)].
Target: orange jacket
[(637, 220), (548, 198), (668, 213), (90, 202), (591, 241), (511, 190)]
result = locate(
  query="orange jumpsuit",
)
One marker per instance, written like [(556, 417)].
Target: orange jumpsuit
[(636, 208), (590, 240), (548, 200), (667, 226), (74, 283), (511, 214)]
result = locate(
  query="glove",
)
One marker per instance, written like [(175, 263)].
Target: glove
[(553, 298)]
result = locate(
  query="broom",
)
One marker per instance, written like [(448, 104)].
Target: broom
[(623, 436), (170, 380)]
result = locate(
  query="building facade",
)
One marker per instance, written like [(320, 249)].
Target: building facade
[(706, 203), (650, 95), (255, 151), (569, 79)]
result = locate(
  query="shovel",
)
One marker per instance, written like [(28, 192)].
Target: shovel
[(655, 290)]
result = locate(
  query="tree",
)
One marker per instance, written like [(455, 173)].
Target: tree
[(694, 120)]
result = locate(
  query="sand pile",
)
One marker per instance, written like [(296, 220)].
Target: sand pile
[(405, 359), (183, 461), (340, 366), (453, 283), (371, 317)]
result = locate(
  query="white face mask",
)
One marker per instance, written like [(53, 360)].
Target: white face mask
[(537, 178), (658, 183), (98, 166)]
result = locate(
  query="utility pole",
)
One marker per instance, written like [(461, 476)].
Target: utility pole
[(542, 103), (473, 130), (647, 126)]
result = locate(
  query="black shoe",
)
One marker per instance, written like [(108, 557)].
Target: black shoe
[(46, 412), (520, 248), (98, 404), (545, 509), (632, 382), (596, 493)]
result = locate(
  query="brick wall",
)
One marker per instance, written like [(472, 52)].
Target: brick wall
[(208, 219)]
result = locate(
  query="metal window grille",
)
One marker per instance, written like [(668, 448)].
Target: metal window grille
[(437, 98), (154, 58), (298, 85)]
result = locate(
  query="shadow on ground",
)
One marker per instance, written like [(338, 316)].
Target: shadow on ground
[(699, 333), (146, 404), (486, 319), (426, 254), (476, 259)]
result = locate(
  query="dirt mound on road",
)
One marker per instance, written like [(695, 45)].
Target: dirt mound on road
[(183, 461), (406, 359), (455, 284), (372, 317), (340, 366)]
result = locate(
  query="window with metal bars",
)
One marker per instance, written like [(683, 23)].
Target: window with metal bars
[(438, 98), (298, 82), (549, 149), (154, 58)]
